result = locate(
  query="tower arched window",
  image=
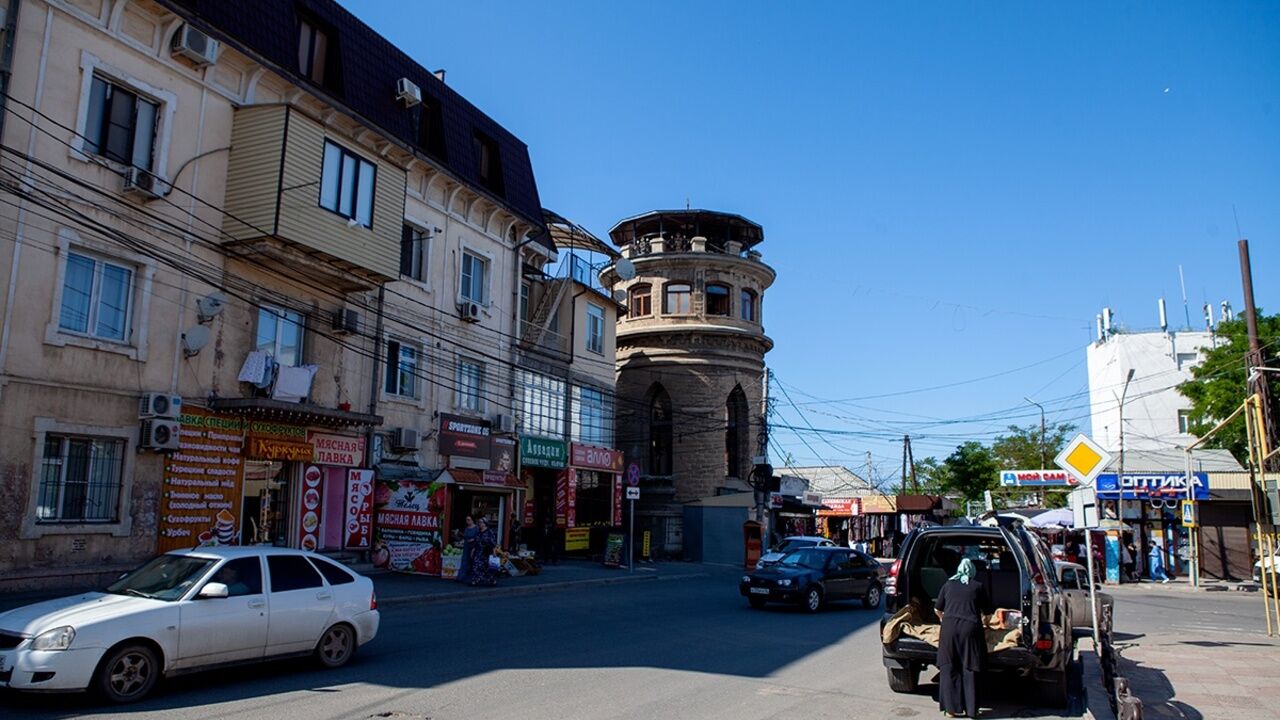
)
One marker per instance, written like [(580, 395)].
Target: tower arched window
[(660, 431), (641, 300), (718, 299), (677, 299), (737, 434), (749, 306)]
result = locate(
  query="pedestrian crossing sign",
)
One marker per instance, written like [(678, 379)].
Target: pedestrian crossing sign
[(1083, 458)]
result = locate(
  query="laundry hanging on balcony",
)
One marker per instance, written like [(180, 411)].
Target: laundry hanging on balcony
[(256, 369), (293, 384)]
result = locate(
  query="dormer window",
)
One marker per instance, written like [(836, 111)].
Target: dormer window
[(431, 129), (317, 53), (489, 162)]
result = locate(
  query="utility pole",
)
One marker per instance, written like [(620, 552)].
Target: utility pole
[(1120, 476), (906, 440), (911, 468), (1257, 380)]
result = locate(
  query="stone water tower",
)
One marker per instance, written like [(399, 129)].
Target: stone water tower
[(690, 359)]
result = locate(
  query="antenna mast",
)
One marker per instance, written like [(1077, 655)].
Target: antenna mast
[(1186, 310)]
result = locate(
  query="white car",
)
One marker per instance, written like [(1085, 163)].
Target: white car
[(189, 610), (795, 542), (1074, 579)]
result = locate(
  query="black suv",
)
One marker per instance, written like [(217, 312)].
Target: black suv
[(1017, 570), (812, 576)]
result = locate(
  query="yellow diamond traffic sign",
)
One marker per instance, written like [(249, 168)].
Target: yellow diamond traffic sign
[(1083, 458)]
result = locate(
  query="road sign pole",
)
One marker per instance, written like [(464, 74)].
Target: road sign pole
[(1093, 591), (631, 540)]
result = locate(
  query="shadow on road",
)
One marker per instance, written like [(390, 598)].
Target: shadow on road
[(1156, 691)]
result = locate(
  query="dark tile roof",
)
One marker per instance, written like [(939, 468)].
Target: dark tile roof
[(367, 70)]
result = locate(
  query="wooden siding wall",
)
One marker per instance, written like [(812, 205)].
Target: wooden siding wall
[(253, 171)]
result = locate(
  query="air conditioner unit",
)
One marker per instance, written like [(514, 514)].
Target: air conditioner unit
[(159, 405), (407, 92), (195, 46), (346, 321), (505, 423), (159, 435), (469, 311), (405, 439), (142, 183)]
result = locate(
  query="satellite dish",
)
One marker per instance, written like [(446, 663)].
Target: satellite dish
[(620, 297), (210, 306), (194, 340), (625, 269)]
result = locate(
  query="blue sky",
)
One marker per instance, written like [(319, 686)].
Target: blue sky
[(949, 191)]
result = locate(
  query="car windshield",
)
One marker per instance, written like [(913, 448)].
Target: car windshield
[(166, 577), (806, 558), (791, 545)]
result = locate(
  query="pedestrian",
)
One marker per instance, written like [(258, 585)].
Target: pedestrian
[(482, 570), (1126, 560), (515, 532), (962, 644), (550, 549), (1157, 564), (468, 550)]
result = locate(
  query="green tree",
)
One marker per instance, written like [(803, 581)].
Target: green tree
[(1219, 385), (931, 476), (1020, 448), (971, 469)]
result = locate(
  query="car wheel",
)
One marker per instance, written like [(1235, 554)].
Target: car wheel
[(127, 673), (813, 599), (336, 646), (756, 602), (872, 598), (904, 680)]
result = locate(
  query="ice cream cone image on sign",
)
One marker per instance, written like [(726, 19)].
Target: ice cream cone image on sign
[(225, 528)]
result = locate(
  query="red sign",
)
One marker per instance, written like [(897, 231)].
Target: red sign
[(464, 437), (407, 535), (312, 497), (837, 507), (591, 457), (528, 513), (342, 450), (617, 499), (496, 477), (359, 517)]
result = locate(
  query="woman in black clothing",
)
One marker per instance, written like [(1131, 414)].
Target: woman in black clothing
[(962, 645)]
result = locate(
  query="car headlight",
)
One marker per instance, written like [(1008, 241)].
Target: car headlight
[(784, 583), (58, 638)]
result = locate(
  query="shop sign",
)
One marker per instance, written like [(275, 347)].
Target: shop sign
[(278, 431), (504, 454), (341, 450), (312, 497), (202, 485), (543, 452), (495, 477), (528, 513), (879, 504), (566, 498), (464, 437), (775, 500), (268, 448), (407, 535), (617, 498), (359, 516), (812, 498), (576, 539), (793, 486), (1036, 478), (837, 507), (591, 457), (1151, 486)]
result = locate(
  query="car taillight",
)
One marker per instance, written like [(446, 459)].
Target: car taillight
[(1044, 644), (894, 568), (891, 582), (373, 600)]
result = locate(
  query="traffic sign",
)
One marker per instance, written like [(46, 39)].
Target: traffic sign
[(1190, 517), (1083, 458), (633, 475), (1084, 507), (633, 493)]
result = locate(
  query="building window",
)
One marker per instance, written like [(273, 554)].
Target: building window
[(660, 432), (525, 289), (121, 124), (1184, 422), (431, 129), (313, 51), (541, 404), (737, 433), (748, 306), (473, 280), (595, 328), (488, 162), (641, 300), (593, 416), (96, 295), (346, 184), (1187, 360), (80, 479), (414, 251), (402, 369), (718, 300), (676, 299), (471, 385), (280, 335)]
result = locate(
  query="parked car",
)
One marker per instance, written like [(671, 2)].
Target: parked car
[(1273, 576), (1074, 579), (185, 611), (1017, 571), (813, 576), (788, 544)]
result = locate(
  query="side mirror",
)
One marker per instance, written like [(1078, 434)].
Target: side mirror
[(212, 590)]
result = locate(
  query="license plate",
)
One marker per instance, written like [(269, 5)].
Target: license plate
[(759, 591)]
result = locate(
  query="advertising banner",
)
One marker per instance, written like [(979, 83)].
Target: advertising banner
[(504, 454), (617, 499), (836, 507), (201, 490), (359, 515), (1036, 478), (277, 441), (543, 453), (309, 518), (1151, 486), (577, 539), (464, 437), (340, 450), (566, 482), (407, 536), (590, 457)]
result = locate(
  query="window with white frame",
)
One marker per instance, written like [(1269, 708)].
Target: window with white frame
[(470, 385), (80, 479), (97, 296), (592, 416), (595, 328), (403, 369), (121, 124), (473, 280), (1187, 360), (525, 289), (1184, 422), (541, 404), (677, 299), (280, 334), (414, 249), (346, 184)]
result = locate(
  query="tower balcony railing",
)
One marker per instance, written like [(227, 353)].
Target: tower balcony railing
[(679, 244)]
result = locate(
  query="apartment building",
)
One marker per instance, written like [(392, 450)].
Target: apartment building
[(254, 260)]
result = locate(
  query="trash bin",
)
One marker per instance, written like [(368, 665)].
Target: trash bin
[(753, 542)]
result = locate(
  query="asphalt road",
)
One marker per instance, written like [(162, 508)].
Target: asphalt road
[(687, 648), (1150, 608)]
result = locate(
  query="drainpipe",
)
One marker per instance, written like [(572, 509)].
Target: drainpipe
[(6, 57)]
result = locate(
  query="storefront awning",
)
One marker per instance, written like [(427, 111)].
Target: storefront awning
[(394, 471), (294, 413)]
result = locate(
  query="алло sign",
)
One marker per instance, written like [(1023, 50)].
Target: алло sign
[(1151, 486), (464, 436), (590, 457), (543, 453)]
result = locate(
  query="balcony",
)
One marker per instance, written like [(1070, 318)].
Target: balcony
[(680, 244)]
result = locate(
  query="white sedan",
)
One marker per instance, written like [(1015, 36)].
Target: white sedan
[(790, 544), (185, 611)]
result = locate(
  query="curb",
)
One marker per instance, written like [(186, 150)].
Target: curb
[(528, 589)]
